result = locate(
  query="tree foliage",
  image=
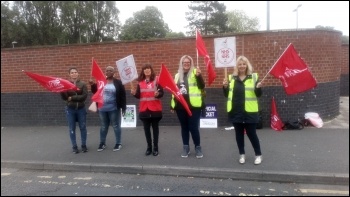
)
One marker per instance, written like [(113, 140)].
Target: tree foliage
[(31, 23), (238, 21), (145, 24), (175, 35), (207, 16)]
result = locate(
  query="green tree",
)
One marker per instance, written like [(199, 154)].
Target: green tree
[(175, 35), (90, 21), (207, 16), (102, 17), (7, 25), (238, 21), (145, 24), (39, 20)]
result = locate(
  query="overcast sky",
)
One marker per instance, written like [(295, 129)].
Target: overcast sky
[(310, 14)]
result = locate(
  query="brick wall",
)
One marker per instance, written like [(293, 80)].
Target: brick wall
[(25, 102), (344, 77)]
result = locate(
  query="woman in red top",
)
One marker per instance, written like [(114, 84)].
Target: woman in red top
[(150, 107)]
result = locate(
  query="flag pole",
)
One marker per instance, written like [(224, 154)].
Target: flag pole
[(197, 49), (276, 61), (92, 65), (226, 73)]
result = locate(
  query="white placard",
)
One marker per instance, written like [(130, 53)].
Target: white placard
[(127, 69), (225, 52), (129, 118), (208, 117), (208, 123)]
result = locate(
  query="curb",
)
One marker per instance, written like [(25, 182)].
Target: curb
[(218, 173)]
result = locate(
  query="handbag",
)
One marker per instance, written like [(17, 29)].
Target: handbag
[(93, 107)]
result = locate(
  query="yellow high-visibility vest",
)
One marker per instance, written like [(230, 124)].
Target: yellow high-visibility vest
[(251, 101), (193, 91)]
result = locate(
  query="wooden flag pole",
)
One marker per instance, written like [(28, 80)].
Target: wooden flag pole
[(226, 73)]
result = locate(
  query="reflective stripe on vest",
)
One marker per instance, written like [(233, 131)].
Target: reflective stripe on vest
[(194, 92), (147, 99), (251, 101)]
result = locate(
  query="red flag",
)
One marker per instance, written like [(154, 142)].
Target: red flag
[(202, 51), (293, 72), (53, 84), (100, 78), (167, 82), (276, 122)]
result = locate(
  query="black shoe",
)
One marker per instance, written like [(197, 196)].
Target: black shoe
[(155, 151), (75, 150), (101, 147), (148, 151), (117, 147), (84, 149)]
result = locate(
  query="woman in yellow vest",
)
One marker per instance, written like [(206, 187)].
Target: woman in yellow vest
[(190, 83), (242, 90), (150, 107)]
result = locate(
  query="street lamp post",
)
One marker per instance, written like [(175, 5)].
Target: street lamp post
[(13, 44), (296, 10)]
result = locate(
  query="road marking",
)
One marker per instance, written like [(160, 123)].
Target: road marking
[(320, 191), (5, 174), (83, 178)]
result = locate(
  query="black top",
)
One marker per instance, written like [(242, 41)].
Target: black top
[(238, 113)]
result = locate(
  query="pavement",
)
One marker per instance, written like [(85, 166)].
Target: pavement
[(312, 155)]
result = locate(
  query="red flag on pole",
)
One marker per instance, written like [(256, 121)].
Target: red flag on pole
[(167, 82), (276, 122), (52, 84), (202, 51), (100, 78), (293, 72)]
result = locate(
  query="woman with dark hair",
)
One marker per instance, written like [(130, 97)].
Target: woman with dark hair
[(150, 106), (75, 110)]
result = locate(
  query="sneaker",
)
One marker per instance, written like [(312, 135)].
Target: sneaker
[(75, 149), (199, 153), (186, 151), (101, 147), (84, 149), (258, 160), (117, 147), (242, 159)]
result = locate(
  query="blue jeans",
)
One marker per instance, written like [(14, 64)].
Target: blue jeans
[(73, 116), (190, 124), (107, 118)]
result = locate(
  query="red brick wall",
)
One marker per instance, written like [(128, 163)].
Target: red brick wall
[(321, 50), (345, 59)]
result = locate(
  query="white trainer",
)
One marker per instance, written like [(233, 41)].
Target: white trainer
[(258, 160), (242, 159)]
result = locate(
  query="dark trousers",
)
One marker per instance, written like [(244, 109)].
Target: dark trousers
[(251, 133), (147, 123), (190, 124)]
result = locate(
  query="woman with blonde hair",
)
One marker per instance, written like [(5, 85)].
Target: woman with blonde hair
[(242, 90), (190, 83)]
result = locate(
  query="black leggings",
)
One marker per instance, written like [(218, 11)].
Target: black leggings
[(147, 123), (251, 133)]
